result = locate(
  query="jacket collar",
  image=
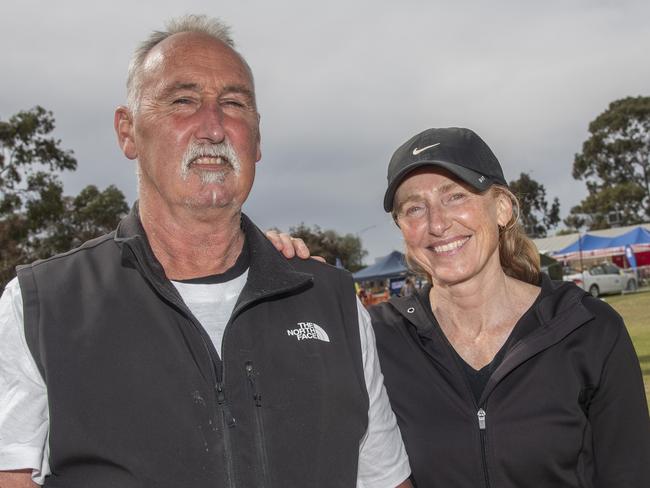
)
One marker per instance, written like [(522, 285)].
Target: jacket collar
[(413, 308), (560, 306), (269, 274), (560, 311)]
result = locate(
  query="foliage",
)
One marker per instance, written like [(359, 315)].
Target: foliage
[(36, 219), (615, 165), (623, 201), (565, 232), (84, 217), (535, 214), (28, 159), (330, 245)]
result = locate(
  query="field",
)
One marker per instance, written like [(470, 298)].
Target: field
[(635, 309)]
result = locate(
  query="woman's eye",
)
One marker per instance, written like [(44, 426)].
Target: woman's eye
[(456, 196), (414, 211)]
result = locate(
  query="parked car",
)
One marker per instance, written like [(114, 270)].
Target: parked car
[(602, 279)]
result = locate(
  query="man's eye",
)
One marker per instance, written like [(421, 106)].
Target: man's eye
[(182, 101), (456, 196), (233, 103)]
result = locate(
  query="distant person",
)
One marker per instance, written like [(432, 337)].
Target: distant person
[(498, 376), (408, 288), (182, 350)]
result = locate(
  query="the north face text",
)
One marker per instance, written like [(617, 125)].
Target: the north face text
[(308, 330)]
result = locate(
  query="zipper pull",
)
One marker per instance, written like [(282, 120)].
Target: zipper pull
[(251, 377), (481, 418), (221, 400), (221, 395)]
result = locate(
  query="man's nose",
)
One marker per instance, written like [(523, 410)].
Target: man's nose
[(210, 124)]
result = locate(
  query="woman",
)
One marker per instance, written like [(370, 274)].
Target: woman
[(499, 377)]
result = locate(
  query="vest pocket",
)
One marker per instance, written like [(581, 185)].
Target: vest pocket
[(260, 441)]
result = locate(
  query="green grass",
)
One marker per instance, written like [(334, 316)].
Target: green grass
[(635, 310)]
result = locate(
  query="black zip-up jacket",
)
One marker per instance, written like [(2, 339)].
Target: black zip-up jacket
[(565, 408), (139, 397)]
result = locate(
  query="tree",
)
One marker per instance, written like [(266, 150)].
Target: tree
[(330, 245), (535, 214), (84, 217), (36, 219), (28, 160), (615, 165)]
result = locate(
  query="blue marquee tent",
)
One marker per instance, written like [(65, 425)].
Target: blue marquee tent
[(586, 242), (589, 242), (391, 266), (638, 235)]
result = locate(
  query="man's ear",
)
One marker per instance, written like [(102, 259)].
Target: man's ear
[(124, 129), (258, 156)]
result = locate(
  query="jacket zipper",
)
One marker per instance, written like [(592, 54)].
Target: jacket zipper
[(260, 440), (482, 416), (228, 422)]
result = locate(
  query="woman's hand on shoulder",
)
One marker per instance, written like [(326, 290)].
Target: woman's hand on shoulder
[(290, 246)]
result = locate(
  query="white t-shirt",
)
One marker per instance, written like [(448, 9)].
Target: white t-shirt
[(24, 420)]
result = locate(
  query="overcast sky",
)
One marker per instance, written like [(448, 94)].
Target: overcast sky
[(341, 84)]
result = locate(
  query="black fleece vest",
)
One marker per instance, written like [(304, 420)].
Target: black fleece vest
[(139, 397)]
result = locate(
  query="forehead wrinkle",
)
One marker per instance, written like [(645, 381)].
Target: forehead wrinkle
[(421, 194), (178, 86), (236, 88), (447, 187)]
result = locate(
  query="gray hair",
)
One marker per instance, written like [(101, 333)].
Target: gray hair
[(200, 24)]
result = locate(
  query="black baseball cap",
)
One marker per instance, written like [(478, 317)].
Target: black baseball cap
[(458, 150)]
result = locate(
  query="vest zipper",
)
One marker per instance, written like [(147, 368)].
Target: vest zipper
[(260, 440), (228, 422), (482, 416)]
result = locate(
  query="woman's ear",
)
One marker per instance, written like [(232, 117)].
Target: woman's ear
[(505, 208)]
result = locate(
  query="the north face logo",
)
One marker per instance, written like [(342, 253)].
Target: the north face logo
[(308, 330)]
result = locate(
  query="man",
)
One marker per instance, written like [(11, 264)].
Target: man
[(182, 349)]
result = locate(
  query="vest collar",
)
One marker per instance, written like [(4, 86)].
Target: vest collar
[(270, 273)]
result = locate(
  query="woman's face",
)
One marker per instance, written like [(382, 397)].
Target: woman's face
[(450, 230)]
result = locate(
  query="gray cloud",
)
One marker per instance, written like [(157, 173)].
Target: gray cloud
[(341, 86)]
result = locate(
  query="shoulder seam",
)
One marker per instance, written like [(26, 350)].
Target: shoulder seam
[(84, 247)]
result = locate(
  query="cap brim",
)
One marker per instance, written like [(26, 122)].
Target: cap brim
[(472, 178)]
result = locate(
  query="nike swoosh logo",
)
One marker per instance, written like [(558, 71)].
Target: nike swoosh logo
[(417, 151)]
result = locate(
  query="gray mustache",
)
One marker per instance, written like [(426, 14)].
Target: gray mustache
[(222, 150)]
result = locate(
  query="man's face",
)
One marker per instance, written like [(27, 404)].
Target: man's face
[(195, 131)]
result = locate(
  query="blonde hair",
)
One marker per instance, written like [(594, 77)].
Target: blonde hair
[(518, 254)]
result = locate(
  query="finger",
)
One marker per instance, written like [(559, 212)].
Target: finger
[(274, 237), (287, 245), (319, 258), (301, 248)]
